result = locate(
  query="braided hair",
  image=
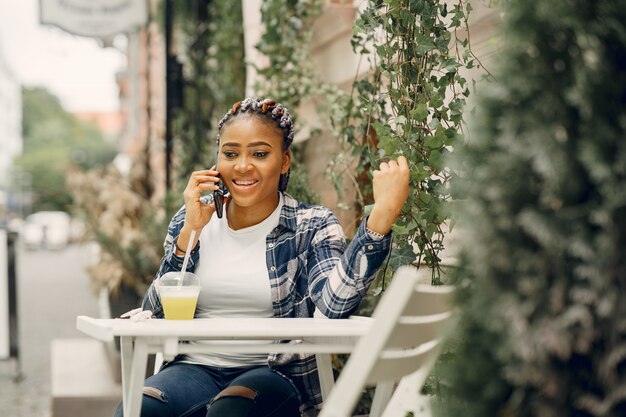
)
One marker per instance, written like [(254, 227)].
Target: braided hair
[(269, 112)]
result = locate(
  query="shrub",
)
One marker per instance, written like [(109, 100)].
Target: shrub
[(543, 326)]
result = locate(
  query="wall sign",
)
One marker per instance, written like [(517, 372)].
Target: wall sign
[(94, 18)]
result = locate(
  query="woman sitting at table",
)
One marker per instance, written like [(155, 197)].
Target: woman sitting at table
[(268, 256)]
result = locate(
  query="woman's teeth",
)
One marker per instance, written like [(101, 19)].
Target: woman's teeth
[(244, 182)]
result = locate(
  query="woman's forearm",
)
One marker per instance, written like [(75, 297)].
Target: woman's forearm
[(380, 220)]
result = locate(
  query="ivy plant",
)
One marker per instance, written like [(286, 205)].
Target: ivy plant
[(287, 34), (410, 103), (289, 75)]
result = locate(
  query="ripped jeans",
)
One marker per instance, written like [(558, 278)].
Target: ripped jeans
[(186, 390)]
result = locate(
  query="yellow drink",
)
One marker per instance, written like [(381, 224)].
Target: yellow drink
[(179, 305), (179, 295)]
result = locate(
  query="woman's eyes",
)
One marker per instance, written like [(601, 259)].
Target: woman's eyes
[(256, 154)]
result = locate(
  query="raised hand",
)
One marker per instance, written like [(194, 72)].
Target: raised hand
[(391, 188), (197, 213)]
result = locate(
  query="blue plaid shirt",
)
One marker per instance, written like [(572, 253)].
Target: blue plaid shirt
[(309, 266)]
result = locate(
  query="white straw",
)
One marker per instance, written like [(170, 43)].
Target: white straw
[(187, 255)]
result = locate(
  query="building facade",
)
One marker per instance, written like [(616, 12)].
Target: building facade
[(142, 104)]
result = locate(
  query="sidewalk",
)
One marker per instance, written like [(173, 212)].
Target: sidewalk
[(53, 289)]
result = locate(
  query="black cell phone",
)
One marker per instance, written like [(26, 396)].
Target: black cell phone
[(218, 197)]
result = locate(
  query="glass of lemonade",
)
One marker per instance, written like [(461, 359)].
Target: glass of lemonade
[(178, 299)]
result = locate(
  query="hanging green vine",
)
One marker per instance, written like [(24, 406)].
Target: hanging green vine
[(410, 103), (209, 43), (288, 31), (289, 76)]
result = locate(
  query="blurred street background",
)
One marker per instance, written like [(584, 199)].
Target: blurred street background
[(60, 109), (53, 290)]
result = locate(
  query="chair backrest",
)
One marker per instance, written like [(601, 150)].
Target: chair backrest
[(402, 340)]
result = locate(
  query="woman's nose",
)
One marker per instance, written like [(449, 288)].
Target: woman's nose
[(243, 164)]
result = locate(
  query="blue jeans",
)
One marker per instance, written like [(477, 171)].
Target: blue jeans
[(186, 390)]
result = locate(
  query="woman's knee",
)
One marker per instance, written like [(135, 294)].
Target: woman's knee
[(234, 401), (241, 401), (232, 407)]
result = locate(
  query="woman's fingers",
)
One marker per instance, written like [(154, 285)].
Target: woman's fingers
[(210, 171), (201, 181), (402, 162), (198, 212), (207, 186), (393, 167), (205, 178), (391, 183), (196, 179), (391, 189)]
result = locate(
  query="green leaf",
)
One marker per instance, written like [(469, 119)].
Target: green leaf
[(390, 144), (382, 129), (400, 229), (435, 160), (404, 226), (420, 113), (456, 106), (419, 173), (423, 44), (401, 255), (437, 140), (406, 18), (436, 102), (384, 50), (450, 64), (431, 229)]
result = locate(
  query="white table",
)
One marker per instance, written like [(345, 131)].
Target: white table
[(320, 336)]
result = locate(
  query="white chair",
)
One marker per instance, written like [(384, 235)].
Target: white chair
[(401, 344)]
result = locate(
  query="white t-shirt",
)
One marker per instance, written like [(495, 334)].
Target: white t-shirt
[(234, 280)]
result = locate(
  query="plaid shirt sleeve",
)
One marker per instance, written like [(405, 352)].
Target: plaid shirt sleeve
[(340, 276)]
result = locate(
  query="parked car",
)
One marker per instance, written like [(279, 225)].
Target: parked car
[(47, 230)]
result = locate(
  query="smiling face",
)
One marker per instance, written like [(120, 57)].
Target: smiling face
[(251, 159)]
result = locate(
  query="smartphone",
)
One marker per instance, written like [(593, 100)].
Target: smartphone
[(218, 196)]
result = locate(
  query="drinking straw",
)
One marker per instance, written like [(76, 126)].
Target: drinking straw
[(187, 255)]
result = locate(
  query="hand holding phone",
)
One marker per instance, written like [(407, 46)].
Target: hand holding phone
[(198, 210)]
